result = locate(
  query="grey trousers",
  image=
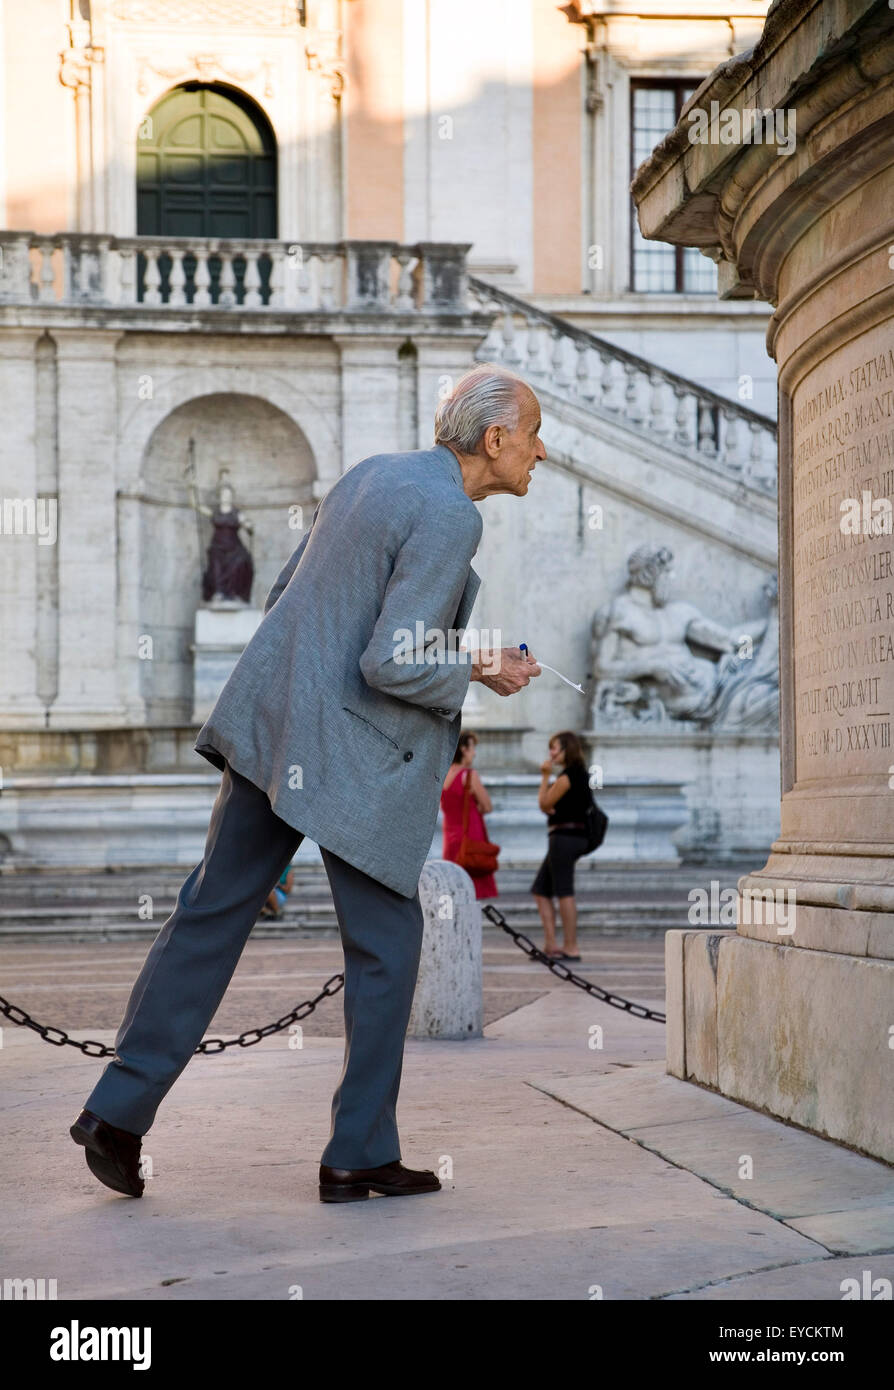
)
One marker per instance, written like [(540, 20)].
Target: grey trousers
[(192, 959)]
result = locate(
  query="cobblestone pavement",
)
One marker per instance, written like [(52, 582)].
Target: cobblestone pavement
[(86, 984), (564, 1168)]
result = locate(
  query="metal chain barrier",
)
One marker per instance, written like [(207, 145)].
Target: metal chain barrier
[(58, 1037), (558, 968)]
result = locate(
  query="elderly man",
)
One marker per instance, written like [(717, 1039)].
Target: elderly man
[(325, 729)]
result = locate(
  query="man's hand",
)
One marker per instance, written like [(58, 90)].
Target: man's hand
[(505, 671)]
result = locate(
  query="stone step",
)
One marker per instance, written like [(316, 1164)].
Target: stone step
[(143, 931), (612, 899), (107, 920), (41, 889)]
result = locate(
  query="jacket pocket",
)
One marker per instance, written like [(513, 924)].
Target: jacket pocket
[(370, 725)]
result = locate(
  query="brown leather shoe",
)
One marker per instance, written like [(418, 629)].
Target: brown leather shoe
[(113, 1155), (391, 1180)]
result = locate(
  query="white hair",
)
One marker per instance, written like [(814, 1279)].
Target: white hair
[(487, 395)]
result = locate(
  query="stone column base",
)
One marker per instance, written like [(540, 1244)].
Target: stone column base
[(801, 1034)]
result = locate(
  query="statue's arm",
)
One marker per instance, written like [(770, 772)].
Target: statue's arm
[(196, 504), (755, 628), (707, 633)]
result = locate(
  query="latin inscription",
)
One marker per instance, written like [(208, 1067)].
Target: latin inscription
[(843, 448)]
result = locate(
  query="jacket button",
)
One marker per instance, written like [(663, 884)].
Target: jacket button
[(407, 756)]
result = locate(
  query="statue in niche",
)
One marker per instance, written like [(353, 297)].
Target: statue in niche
[(656, 659), (229, 570)]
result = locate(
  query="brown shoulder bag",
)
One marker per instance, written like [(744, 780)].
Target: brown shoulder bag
[(477, 857)]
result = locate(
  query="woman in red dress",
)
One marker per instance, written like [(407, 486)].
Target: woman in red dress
[(460, 774)]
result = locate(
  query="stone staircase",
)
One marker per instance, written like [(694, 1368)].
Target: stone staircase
[(571, 367), (613, 899)]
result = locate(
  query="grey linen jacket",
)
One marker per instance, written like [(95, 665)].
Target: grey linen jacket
[(350, 743)]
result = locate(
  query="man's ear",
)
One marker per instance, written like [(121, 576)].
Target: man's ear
[(492, 440)]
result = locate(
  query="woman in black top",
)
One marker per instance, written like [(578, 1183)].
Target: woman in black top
[(565, 803)]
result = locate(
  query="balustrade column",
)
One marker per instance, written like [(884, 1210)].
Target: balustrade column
[(583, 375), (177, 279), (151, 277), (685, 417), (706, 442), (633, 406), (201, 278), (127, 275), (253, 298), (227, 294), (658, 422), (510, 353)]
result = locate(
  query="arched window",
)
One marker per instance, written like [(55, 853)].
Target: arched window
[(206, 167)]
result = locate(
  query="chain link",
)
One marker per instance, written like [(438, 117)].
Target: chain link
[(616, 1000), (58, 1037)]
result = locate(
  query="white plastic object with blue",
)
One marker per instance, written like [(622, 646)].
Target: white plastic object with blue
[(523, 647)]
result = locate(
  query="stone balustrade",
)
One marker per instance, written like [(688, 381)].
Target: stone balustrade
[(171, 279), (208, 273), (555, 355)]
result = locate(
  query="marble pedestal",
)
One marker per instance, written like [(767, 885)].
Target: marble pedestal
[(223, 628), (796, 1017), (730, 782)]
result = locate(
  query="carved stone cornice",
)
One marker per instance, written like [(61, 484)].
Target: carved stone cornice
[(206, 67), (257, 14), (746, 199), (323, 52)]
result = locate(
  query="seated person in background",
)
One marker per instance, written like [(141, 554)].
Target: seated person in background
[(278, 894)]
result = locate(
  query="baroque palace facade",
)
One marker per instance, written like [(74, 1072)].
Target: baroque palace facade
[(247, 243)]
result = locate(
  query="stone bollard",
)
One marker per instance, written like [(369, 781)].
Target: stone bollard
[(448, 1000)]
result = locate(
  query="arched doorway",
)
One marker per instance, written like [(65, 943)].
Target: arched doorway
[(206, 167)]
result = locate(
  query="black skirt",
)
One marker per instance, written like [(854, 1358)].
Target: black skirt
[(555, 877)]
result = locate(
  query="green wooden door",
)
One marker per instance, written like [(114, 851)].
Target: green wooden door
[(206, 167)]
